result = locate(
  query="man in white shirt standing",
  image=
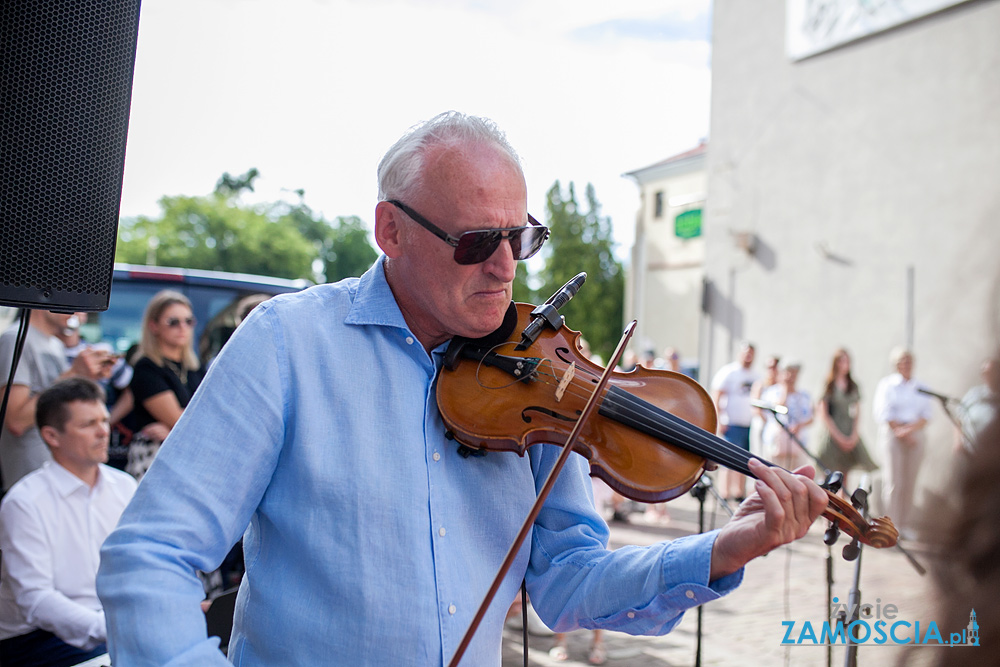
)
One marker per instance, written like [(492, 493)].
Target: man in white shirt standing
[(52, 525), (731, 392), (901, 413)]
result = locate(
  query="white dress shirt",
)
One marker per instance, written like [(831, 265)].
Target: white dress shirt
[(52, 526), (897, 400)]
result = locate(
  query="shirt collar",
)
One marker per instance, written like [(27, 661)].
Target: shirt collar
[(374, 302), (900, 380), (66, 483)]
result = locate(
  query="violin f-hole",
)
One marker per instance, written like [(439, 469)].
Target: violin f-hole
[(545, 411)]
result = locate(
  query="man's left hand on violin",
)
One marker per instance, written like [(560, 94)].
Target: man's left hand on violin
[(781, 510)]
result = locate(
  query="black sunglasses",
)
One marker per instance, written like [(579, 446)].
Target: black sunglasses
[(176, 321), (479, 245)]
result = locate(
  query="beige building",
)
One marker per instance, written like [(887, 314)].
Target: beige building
[(667, 268), (852, 194)]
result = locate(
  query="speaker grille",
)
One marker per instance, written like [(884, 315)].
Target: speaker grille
[(65, 91)]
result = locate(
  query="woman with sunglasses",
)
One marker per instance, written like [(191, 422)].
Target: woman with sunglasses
[(167, 373)]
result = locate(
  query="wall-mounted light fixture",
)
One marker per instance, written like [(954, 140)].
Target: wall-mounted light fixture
[(745, 241)]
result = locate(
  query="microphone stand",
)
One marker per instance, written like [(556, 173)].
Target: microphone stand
[(853, 552), (699, 491), (24, 319)]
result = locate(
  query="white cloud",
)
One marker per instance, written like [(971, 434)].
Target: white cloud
[(312, 93)]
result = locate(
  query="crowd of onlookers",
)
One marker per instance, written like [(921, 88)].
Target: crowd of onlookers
[(82, 426)]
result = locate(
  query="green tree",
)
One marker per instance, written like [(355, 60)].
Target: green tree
[(343, 248), (217, 232), (350, 252), (229, 185), (582, 241)]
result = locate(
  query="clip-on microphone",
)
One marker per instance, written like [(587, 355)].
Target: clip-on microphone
[(548, 312)]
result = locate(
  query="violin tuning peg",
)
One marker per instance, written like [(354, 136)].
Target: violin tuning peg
[(852, 550), (860, 499), (833, 481), (831, 535)]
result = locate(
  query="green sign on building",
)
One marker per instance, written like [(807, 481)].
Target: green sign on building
[(687, 225)]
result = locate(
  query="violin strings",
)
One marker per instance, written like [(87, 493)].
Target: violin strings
[(660, 423), (671, 428), (663, 425)]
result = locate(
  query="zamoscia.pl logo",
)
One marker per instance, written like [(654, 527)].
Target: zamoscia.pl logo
[(876, 625)]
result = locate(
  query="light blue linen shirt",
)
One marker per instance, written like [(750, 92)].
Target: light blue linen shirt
[(368, 539)]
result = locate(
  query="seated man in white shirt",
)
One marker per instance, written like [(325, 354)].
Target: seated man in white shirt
[(52, 524)]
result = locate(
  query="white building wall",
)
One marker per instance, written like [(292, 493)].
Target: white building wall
[(854, 170)]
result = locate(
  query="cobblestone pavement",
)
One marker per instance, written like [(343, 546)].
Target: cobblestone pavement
[(745, 627)]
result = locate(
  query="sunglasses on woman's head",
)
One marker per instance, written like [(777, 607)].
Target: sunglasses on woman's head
[(176, 321), (479, 245)]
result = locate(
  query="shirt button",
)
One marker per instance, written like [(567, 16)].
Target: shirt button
[(452, 609), (409, 340), (436, 457), (631, 614), (690, 595), (442, 531)]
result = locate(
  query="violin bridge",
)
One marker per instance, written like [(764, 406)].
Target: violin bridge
[(564, 382)]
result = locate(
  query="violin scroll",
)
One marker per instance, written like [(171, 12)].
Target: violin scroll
[(879, 533)]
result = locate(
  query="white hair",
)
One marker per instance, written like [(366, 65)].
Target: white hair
[(401, 168), (897, 353)]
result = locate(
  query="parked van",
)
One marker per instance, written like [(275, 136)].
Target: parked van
[(215, 298)]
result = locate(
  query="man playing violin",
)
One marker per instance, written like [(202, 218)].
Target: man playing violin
[(369, 539)]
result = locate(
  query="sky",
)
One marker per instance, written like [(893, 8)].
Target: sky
[(312, 93)]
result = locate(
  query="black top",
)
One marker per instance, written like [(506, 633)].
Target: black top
[(150, 380)]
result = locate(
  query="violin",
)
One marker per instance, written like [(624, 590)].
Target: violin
[(648, 433), (651, 439)]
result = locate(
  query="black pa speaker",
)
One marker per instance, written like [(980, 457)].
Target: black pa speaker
[(65, 92)]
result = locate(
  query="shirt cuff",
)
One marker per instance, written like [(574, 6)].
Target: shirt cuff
[(691, 567), (687, 565), (98, 631)]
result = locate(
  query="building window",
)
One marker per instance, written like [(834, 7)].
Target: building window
[(658, 204)]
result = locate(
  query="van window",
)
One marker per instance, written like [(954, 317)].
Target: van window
[(121, 323)]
